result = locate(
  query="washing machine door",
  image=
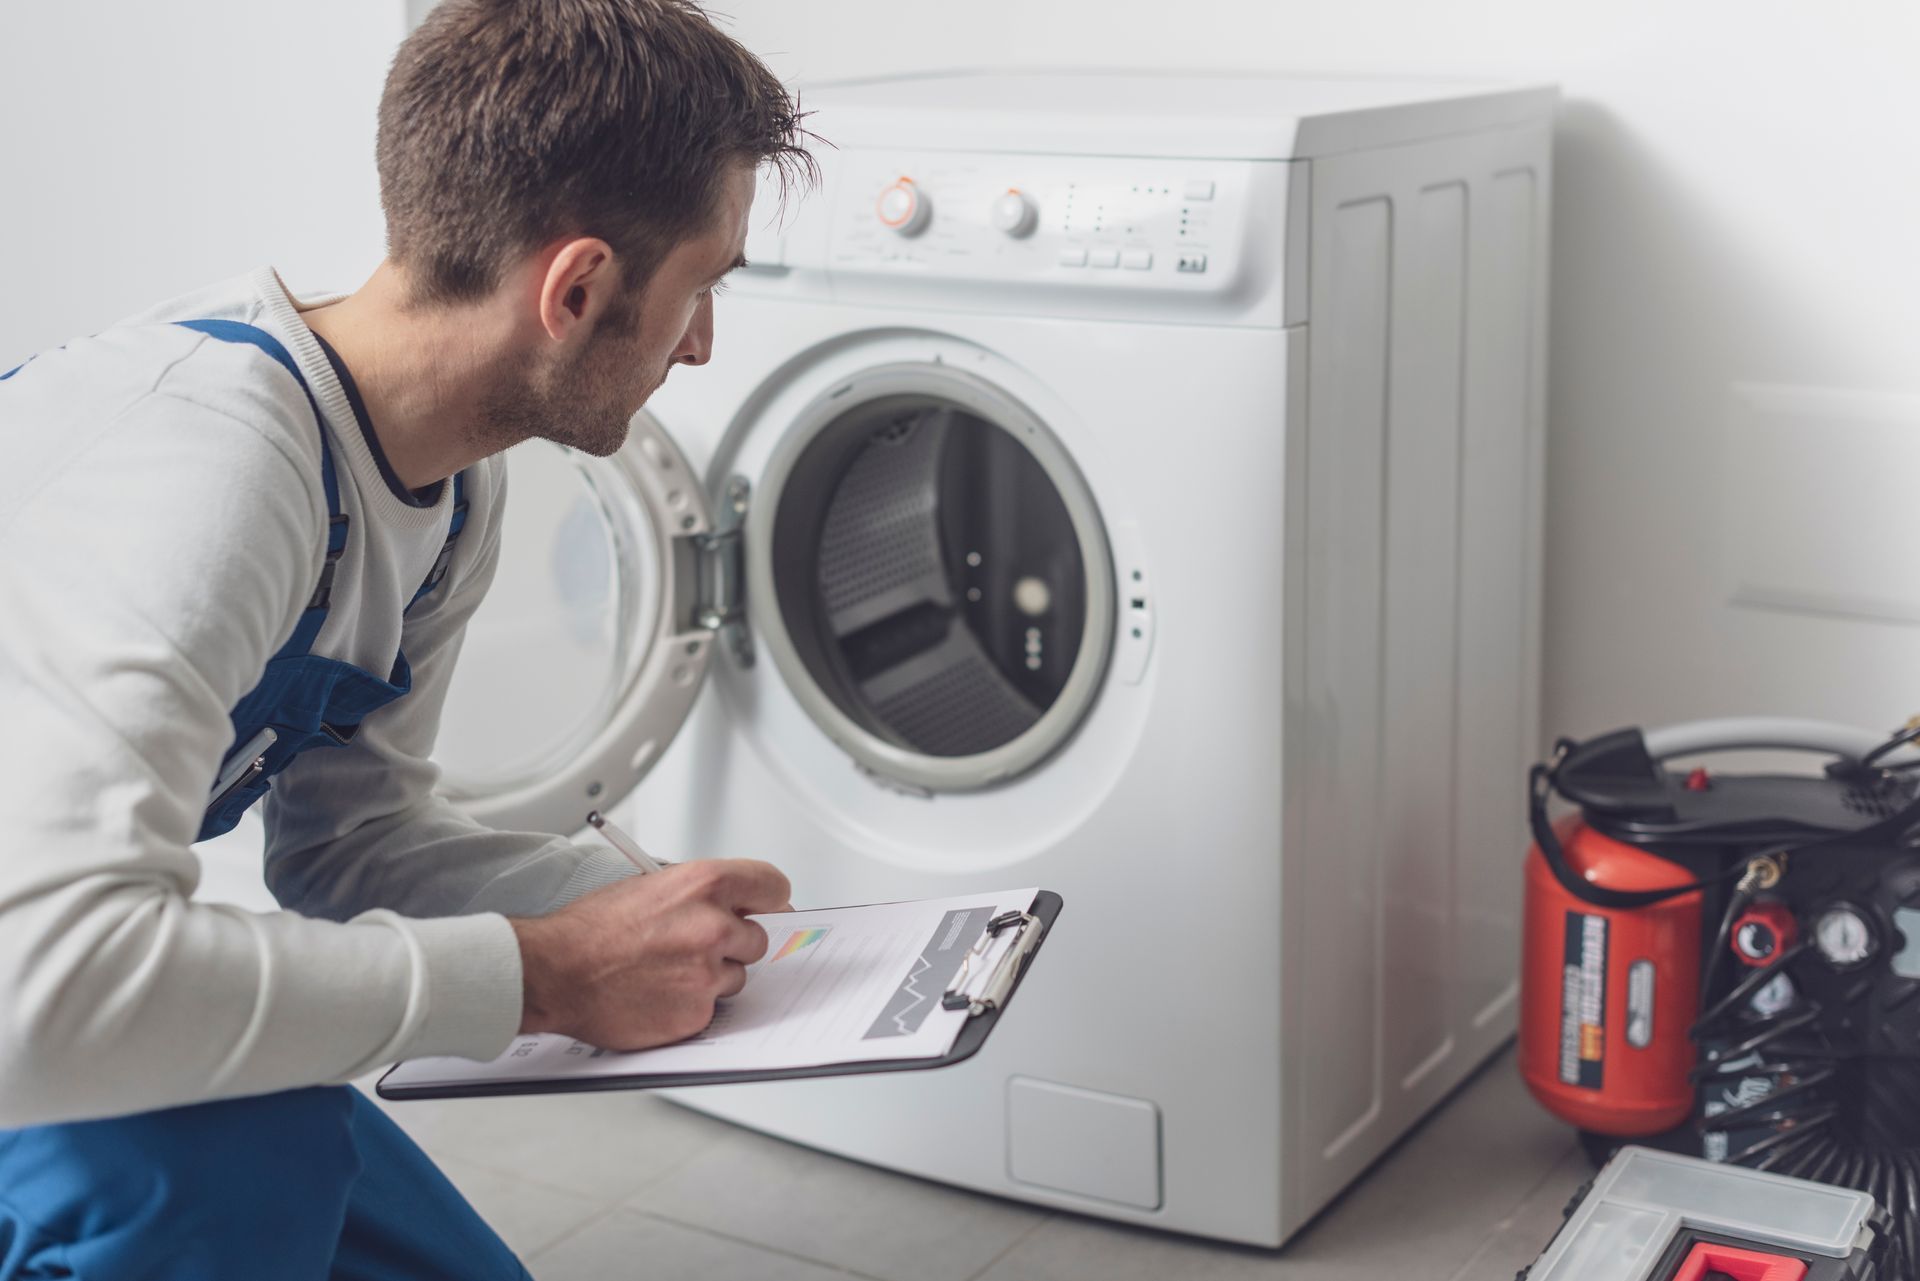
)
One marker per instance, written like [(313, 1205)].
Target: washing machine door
[(594, 639)]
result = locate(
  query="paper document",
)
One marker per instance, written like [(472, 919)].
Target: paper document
[(837, 985)]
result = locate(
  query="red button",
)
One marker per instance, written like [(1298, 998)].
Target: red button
[(1698, 781), (1742, 1265)]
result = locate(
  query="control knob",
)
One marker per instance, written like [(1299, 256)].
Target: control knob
[(1014, 213), (904, 208)]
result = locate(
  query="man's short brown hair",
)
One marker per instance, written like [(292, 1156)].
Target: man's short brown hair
[(506, 124)]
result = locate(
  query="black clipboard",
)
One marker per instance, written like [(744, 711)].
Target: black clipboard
[(1038, 919)]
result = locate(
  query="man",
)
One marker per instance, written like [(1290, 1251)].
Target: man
[(240, 538)]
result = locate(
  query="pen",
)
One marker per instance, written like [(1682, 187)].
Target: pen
[(622, 842)]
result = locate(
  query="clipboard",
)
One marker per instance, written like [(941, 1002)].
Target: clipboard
[(984, 992)]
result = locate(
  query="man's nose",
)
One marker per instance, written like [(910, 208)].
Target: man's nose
[(696, 345)]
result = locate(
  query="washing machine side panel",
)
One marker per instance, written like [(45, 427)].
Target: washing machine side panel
[(1502, 547), (1160, 983), (1418, 703)]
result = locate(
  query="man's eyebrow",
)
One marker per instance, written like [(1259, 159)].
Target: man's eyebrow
[(737, 264)]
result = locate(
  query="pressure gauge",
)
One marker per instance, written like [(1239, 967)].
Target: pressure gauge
[(1775, 998), (1763, 931), (1843, 936)]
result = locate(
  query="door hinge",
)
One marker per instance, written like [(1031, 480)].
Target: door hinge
[(722, 604)]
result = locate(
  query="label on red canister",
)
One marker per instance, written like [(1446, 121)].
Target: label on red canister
[(1640, 988), (1583, 1002)]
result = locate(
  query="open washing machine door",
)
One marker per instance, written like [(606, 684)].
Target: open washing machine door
[(924, 563), (612, 589)]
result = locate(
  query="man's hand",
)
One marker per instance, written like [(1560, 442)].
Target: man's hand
[(640, 963)]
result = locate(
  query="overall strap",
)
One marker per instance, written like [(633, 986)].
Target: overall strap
[(454, 526), (28, 361), (315, 614)]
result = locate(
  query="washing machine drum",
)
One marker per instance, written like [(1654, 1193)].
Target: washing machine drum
[(930, 573), (929, 576)]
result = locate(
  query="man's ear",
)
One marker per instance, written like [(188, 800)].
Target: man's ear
[(581, 280)]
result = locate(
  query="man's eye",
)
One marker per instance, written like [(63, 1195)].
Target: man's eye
[(715, 289)]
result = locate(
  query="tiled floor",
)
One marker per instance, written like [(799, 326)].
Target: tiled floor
[(615, 1186)]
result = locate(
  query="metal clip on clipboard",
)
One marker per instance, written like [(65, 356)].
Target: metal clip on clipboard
[(978, 992)]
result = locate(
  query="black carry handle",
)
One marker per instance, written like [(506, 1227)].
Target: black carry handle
[(1540, 786), (1540, 783)]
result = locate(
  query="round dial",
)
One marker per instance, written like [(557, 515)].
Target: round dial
[(1843, 936), (1014, 213), (1775, 997), (904, 207), (1755, 941)]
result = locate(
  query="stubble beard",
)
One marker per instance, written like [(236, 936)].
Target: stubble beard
[(582, 405)]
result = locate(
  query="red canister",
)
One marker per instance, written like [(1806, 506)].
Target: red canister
[(1607, 994)]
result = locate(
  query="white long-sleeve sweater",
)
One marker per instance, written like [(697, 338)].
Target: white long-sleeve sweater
[(161, 528)]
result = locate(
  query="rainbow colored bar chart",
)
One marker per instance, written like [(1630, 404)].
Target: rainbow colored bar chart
[(800, 940)]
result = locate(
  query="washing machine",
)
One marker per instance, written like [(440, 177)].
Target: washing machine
[(1128, 485)]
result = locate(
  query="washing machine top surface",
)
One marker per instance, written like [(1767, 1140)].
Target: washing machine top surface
[(1147, 114)]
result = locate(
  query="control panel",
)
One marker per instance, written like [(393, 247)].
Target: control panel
[(1067, 221)]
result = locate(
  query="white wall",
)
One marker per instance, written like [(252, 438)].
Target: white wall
[(1738, 195), (152, 147), (1738, 192)]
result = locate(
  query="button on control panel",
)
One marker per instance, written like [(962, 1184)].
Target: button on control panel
[(1190, 263)]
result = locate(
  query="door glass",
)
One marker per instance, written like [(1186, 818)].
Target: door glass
[(561, 632)]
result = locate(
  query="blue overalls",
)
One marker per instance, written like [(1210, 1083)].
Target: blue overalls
[(298, 1186)]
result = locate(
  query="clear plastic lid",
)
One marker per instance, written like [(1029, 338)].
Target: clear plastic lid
[(1643, 1198)]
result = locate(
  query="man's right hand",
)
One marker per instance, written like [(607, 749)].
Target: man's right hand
[(641, 962)]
